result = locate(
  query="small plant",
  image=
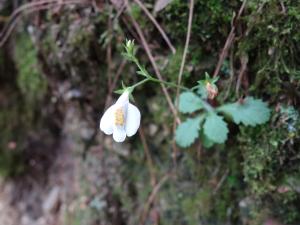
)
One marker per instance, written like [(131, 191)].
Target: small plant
[(208, 123), (204, 122)]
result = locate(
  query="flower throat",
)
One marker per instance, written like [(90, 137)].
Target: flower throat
[(119, 117)]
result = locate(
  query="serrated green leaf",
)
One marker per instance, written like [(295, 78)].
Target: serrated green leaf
[(201, 90), (142, 73), (207, 77), (128, 56), (188, 131), (215, 128), (120, 91), (189, 102), (206, 142), (215, 80), (250, 113)]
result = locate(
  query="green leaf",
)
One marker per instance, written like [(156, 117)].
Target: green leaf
[(142, 73), (128, 56), (120, 91), (202, 90), (207, 77), (251, 112), (188, 131), (215, 128), (189, 102), (206, 142)]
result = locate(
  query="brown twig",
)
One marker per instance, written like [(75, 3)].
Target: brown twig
[(231, 59), (118, 74), (154, 65), (112, 86), (30, 8), (108, 49), (224, 52), (244, 63), (148, 156), (186, 46), (229, 40), (282, 7), (223, 178), (131, 31), (151, 198), (159, 28)]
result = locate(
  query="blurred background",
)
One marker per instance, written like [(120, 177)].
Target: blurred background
[(60, 63)]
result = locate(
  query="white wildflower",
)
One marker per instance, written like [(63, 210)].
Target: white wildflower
[(121, 119)]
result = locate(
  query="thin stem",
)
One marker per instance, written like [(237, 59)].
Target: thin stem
[(169, 84), (206, 106), (149, 77), (140, 83), (204, 103), (154, 64)]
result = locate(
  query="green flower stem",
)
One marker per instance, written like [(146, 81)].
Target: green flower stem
[(170, 84), (207, 106), (151, 78), (140, 83)]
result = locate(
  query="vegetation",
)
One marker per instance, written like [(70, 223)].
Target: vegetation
[(228, 154)]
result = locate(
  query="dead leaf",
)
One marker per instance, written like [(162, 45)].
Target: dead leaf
[(161, 4)]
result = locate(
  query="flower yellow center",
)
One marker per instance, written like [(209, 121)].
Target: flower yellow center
[(119, 117)]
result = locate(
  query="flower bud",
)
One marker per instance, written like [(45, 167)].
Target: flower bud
[(212, 90)]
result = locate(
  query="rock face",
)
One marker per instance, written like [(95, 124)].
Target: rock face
[(44, 197)]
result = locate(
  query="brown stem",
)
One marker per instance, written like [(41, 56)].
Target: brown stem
[(229, 41), (154, 65), (186, 46), (159, 28)]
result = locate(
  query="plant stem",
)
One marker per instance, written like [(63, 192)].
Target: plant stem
[(169, 84), (140, 83), (207, 106)]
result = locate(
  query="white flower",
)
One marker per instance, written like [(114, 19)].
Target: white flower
[(121, 119)]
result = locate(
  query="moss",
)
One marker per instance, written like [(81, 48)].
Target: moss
[(11, 126), (271, 40), (208, 15), (30, 80), (267, 165), (18, 115)]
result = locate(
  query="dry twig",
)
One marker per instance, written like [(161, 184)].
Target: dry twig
[(148, 156), (244, 63), (229, 41), (159, 28), (223, 178), (30, 8), (154, 65), (186, 46), (152, 196)]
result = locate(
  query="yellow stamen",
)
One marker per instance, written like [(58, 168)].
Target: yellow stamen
[(119, 117)]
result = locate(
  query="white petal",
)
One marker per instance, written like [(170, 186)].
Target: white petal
[(123, 99), (133, 120), (119, 134), (107, 120)]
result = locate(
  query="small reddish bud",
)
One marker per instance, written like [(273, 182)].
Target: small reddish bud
[(212, 90)]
